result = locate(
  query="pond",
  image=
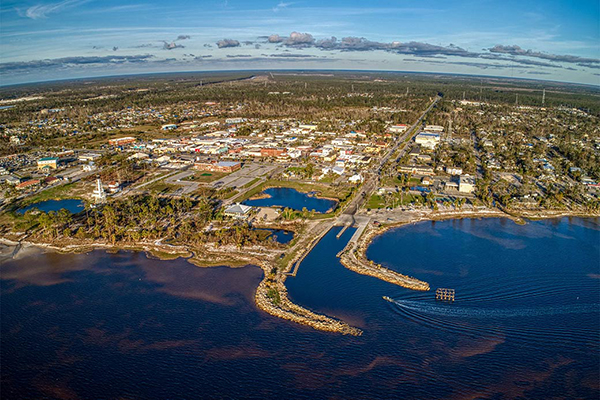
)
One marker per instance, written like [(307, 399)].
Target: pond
[(72, 205), (291, 198)]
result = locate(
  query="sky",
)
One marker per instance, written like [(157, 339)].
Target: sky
[(550, 40)]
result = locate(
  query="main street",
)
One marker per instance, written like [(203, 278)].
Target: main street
[(372, 180)]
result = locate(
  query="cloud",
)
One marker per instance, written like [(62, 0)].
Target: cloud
[(238, 56), (42, 10), (588, 65), (297, 39), (222, 44), (115, 48), (21, 66), (281, 6), (183, 37), (275, 39), (293, 55), (519, 61), (518, 51), (171, 46)]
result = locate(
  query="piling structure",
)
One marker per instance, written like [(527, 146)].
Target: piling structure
[(444, 294)]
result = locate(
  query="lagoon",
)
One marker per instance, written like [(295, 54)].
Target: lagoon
[(72, 205), (291, 198)]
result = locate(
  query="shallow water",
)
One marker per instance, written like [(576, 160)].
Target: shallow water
[(72, 205), (525, 321), (291, 198)]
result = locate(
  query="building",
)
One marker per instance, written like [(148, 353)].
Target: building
[(221, 166), (113, 187), (428, 140), (121, 141), (28, 184), (272, 152), (454, 170), (415, 170), (47, 162), (168, 127), (238, 210), (433, 128), (87, 157), (466, 184), (398, 128)]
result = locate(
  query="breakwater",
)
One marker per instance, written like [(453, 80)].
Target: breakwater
[(354, 258), (272, 297)]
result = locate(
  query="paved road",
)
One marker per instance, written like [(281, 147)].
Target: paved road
[(372, 180)]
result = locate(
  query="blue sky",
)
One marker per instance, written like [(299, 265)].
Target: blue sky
[(554, 40)]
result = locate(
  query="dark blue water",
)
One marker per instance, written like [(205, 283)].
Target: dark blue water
[(525, 323), (281, 235), (291, 198), (72, 205)]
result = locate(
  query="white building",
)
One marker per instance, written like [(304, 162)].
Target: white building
[(428, 140), (398, 128), (454, 170), (238, 210), (466, 184)]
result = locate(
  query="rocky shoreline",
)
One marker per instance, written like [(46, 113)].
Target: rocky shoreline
[(271, 294)]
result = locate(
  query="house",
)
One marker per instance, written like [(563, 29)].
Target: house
[(454, 170), (47, 162), (168, 127), (426, 180), (238, 210), (355, 178), (113, 187)]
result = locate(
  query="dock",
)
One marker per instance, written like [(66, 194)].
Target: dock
[(444, 294)]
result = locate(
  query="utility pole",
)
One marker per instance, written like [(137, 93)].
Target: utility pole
[(517, 99), (463, 95)]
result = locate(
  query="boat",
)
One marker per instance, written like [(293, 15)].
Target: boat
[(388, 299)]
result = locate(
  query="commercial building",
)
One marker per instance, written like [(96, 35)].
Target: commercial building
[(28, 184), (272, 152), (238, 210), (221, 166), (121, 141), (429, 140), (398, 128), (47, 162)]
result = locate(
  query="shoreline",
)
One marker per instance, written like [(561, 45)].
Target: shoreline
[(271, 294)]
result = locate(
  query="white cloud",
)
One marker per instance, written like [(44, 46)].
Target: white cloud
[(281, 6), (42, 10)]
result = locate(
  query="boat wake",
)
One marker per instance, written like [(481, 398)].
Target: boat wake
[(497, 323), (471, 312)]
